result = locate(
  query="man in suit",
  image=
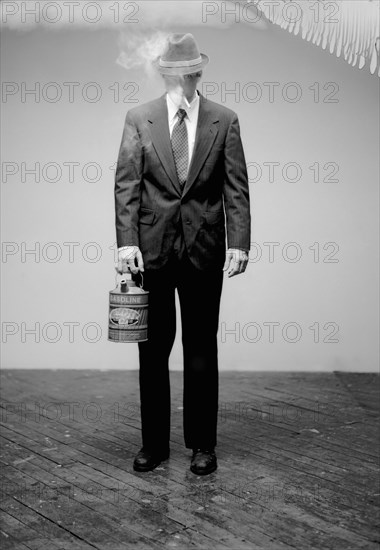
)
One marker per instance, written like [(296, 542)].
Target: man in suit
[(181, 171)]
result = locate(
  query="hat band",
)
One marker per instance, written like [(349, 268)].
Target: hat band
[(184, 63)]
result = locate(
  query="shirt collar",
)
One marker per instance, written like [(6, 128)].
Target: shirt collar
[(190, 111)]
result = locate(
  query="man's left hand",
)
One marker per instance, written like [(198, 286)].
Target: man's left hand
[(236, 261)]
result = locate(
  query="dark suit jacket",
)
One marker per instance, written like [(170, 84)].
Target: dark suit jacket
[(148, 199)]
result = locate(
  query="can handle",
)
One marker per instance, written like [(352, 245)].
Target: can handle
[(123, 279)]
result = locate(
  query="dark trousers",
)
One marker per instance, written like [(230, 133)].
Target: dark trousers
[(199, 293)]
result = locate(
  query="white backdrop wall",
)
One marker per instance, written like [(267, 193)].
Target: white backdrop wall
[(309, 298)]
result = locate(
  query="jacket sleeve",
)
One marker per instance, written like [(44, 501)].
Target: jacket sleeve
[(236, 190), (128, 177)]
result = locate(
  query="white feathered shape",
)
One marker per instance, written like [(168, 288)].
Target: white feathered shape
[(349, 27)]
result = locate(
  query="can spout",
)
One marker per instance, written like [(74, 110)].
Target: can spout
[(123, 285), (127, 279)]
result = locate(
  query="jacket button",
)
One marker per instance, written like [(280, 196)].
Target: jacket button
[(188, 222)]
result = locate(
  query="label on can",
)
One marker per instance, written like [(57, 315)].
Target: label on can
[(124, 316), (128, 299)]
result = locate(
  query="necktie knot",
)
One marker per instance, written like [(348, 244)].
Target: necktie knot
[(181, 113)]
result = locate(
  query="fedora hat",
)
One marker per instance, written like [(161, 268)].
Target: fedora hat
[(181, 56)]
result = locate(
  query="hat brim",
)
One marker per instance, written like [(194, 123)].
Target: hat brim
[(173, 71)]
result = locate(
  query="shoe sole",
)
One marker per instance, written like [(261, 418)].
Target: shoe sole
[(205, 471), (138, 468)]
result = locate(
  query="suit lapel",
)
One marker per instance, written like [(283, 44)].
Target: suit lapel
[(204, 138), (161, 140)]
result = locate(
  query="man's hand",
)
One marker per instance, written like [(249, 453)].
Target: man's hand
[(126, 259), (236, 261)]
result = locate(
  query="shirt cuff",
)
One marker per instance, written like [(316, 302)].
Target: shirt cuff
[(238, 248), (126, 246)]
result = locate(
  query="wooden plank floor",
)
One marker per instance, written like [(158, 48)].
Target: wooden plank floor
[(297, 464)]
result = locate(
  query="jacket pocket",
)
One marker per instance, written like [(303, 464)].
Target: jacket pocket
[(147, 216), (215, 216)]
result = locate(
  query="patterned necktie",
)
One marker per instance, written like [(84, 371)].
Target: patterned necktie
[(180, 146)]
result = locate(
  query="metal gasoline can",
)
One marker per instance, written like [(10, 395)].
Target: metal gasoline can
[(128, 311)]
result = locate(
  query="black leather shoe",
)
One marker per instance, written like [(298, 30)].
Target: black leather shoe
[(203, 462), (146, 460)]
